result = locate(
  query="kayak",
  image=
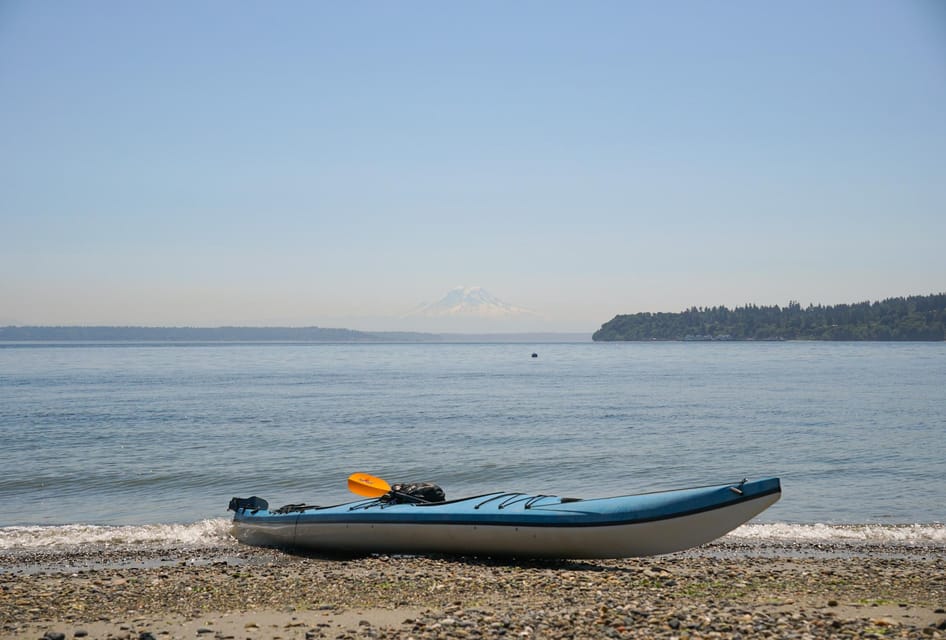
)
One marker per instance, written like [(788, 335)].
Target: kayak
[(509, 524)]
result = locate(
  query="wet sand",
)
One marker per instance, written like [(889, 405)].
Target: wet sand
[(722, 590)]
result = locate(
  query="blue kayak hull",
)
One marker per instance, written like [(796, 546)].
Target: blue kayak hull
[(514, 524)]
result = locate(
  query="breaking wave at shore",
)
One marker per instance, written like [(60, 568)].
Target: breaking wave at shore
[(887, 534), (206, 533), (215, 533)]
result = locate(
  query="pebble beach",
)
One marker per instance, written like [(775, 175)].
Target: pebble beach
[(721, 590)]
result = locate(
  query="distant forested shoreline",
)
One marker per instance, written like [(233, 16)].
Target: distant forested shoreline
[(914, 318), (98, 334), (195, 334)]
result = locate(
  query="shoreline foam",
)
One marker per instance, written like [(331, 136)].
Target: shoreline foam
[(215, 532)]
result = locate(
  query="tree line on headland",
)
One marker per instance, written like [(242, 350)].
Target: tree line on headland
[(915, 318)]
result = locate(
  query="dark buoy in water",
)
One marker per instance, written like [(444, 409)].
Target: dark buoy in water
[(535, 355)]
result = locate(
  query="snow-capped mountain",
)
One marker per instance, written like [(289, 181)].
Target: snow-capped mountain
[(470, 302)]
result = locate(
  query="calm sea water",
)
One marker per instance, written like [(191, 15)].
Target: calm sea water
[(145, 434)]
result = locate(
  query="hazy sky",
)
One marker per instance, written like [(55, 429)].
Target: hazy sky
[(339, 163)]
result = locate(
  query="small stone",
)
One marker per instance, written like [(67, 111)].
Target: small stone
[(832, 603), (80, 633), (54, 635), (884, 622)]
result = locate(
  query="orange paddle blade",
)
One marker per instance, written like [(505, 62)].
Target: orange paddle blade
[(367, 485)]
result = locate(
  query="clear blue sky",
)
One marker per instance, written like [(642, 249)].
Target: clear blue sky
[(300, 163)]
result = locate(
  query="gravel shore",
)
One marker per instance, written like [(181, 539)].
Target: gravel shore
[(718, 591)]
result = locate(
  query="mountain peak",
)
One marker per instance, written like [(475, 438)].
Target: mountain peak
[(470, 302)]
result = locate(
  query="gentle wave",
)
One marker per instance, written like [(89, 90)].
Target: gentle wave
[(911, 534), (216, 532), (206, 533)]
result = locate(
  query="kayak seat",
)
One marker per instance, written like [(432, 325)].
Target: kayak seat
[(414, 492)]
